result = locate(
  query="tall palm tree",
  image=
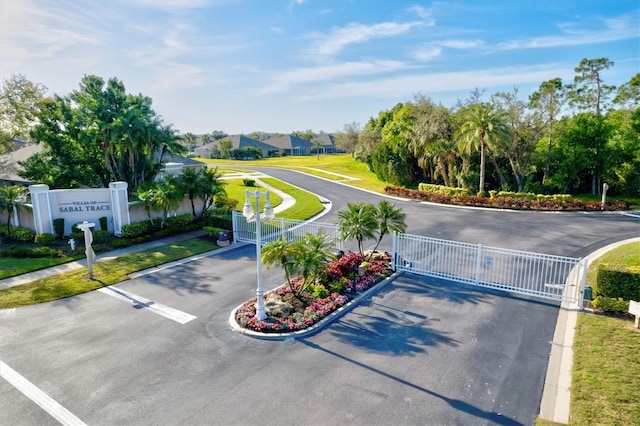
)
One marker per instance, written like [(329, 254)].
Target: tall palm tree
[(390, 219), (9, 196), (481, 126), (358, 222)]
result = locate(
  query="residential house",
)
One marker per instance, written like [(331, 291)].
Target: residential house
[(290, 145)]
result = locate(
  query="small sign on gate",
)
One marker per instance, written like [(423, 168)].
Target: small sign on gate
[(634, 309)]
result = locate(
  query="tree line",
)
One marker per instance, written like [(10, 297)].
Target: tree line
[(565, 138)]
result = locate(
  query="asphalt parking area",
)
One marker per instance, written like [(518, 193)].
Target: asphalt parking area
[(419, 351)]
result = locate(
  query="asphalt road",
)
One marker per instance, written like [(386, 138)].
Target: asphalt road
[(419, 351)]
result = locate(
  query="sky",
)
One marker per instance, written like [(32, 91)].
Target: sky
[(285, 65)]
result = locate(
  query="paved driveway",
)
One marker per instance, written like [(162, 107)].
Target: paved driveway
[(418, 351)]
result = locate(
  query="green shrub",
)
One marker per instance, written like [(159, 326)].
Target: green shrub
[(58, 227), (136, 229), (181, 221), (101, 237), (78, 235), (167, 232), (610, 304), (120, 243), (20, 233), (623, 283), (74, 228), (319, 291), (224, 222), (211, 231), (104, 224), (223, 206), (249, 182), (44, 239), (442, 190), (338, 286)]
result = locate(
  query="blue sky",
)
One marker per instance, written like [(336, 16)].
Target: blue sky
[(284, 65)]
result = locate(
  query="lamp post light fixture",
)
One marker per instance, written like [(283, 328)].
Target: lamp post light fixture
[(248, 213)]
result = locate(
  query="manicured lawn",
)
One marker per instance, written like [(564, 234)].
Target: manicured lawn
[(606, 372), (307, 205), (105, 273)]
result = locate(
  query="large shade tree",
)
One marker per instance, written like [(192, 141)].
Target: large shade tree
[(20, 100), (99, 134)]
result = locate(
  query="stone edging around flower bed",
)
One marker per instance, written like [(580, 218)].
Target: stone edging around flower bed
[(315, 327)]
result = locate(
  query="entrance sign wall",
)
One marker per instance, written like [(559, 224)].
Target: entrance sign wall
[(78, 205)]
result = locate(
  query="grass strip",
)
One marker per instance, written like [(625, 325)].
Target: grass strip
[(606, 372), (105, 273), (307, 204)]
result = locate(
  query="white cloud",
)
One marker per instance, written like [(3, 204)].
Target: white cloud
[(461, 44), (423, 13), (284, 81), (427, 53), (405, 85), (620, 28), (339, 38)]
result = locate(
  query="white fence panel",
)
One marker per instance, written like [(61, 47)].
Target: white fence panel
[(546, 276), (292, 230)]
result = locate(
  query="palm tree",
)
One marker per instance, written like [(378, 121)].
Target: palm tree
[(167, 197), (358, 222), (190, 184), (313, 253), (209, 186), (481, 126), (9, 196), (147, 193), (390, 219), (282, 253)]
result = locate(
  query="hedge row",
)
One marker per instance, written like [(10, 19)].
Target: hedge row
[(619, 283)]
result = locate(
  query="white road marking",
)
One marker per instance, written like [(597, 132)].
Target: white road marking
[(141, 302), (32, 392)]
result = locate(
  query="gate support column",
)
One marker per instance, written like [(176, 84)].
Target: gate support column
[(478, 264)]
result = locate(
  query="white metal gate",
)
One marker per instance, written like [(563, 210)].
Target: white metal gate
[(546, 276)]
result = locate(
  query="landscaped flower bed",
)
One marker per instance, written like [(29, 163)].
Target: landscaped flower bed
[(560, 204), (312, 305)]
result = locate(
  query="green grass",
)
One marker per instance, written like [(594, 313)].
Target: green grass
[(622, 257), (307, 205), (236, 190), (10, 267), (606, 372), (105, 273)]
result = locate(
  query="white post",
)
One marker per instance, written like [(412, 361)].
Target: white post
[(478, 263), (604, 193), (88, 250), (248, 213)]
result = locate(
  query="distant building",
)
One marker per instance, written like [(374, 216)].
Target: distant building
[(212, 150), (290, 145), (328, 143)]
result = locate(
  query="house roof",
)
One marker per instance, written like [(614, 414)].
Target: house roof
[(242, 141), (288, 142), (326, 139)]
